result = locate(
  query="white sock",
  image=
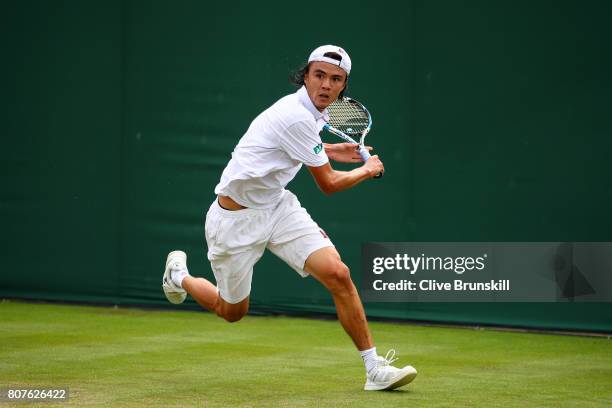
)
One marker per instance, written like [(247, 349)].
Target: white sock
[(369, 358), (177, 275)]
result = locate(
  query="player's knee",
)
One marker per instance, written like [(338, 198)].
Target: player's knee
[(338, 277), (233, 317), (232, 313)]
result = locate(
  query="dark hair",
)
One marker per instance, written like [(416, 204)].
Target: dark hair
[(297, 77)]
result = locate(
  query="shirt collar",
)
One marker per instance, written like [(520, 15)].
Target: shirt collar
[(302, 94)]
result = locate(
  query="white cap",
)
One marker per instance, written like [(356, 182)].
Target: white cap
[(319, 55)]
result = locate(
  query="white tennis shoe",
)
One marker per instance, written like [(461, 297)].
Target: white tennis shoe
[(387, 377), (176, 261)]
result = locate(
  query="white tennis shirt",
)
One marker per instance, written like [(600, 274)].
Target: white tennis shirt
[(272, 151)]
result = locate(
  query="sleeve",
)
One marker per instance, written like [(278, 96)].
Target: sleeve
[(302, 142)]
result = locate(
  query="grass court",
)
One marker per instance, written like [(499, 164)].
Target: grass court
[(150, 358)]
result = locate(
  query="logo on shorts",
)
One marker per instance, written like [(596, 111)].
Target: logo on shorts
[(317, 149), (323, 233)]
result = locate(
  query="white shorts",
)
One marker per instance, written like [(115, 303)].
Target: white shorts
[(237, 239)]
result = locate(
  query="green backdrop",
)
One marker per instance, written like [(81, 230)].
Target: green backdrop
[(118, 117)]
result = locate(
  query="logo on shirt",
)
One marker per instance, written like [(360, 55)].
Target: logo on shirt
[(317, 149)]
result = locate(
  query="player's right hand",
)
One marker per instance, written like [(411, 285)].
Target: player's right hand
[(374, 166)]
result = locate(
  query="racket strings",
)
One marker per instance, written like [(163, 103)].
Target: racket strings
[(348, 117)]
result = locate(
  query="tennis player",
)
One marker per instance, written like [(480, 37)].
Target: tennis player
[(253, 211)]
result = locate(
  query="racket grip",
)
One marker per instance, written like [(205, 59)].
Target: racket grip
[(365, 155), (363, 152)]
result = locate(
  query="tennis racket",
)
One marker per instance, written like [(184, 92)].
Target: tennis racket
[(351, 121)]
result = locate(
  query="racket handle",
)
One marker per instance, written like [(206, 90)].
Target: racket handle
[(365, 155), (363, 152)]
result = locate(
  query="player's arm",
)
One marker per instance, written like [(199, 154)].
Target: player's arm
[(331, 181), (344, 152)]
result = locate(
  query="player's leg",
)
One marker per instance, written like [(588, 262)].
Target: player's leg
[(299, 241), (314, 254), (326, 266), (177, 283), (207, 295), (324, 263)]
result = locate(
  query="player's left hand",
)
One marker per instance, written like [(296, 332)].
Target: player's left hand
[(344, 152)]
